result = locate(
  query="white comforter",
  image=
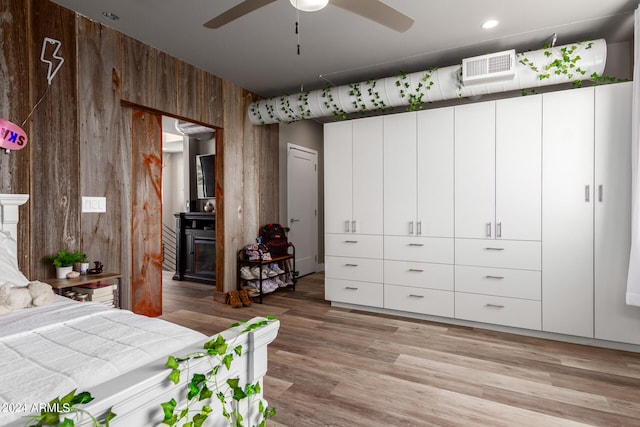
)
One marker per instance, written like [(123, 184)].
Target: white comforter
[(48, 351)]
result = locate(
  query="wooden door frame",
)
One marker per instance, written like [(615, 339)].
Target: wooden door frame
[(219, 221)]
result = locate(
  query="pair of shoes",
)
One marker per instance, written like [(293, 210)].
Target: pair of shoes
[(233, 299), (257, 271), (276, 268), (244, 297), (280, 283), (246, 274)]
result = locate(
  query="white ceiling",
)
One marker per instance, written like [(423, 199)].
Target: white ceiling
[(258, 51)]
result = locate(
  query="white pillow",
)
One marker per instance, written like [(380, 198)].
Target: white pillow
[(9, 271)]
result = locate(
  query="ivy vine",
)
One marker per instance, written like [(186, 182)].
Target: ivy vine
[(64, 412), (204, 386), (365, 97), (330, 104)]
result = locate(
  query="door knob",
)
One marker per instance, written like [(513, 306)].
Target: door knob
[(294, 220)]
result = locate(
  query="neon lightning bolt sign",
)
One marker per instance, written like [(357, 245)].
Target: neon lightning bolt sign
[(51, 72)]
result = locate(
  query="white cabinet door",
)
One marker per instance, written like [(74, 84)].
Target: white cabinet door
[(519, 168), (614, 320), (400, 174), (567, 212), (475, 170), (337, 177), (435, 172), (353, 176), (367, 176)]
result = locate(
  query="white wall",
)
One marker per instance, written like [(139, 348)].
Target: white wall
[(173, 199)]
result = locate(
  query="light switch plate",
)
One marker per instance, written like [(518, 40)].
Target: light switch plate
[(94, 204)]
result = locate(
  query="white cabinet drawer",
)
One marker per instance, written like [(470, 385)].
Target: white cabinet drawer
[(361, 269), (525, 284), (419, 274), (418, 300), (353, 245), (420, 249), (519, 313), (524, 255), (352, 292)]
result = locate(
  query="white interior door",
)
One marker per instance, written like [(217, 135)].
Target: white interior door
[(302, 200)]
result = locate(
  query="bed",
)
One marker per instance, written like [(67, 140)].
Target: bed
[(116, 355)]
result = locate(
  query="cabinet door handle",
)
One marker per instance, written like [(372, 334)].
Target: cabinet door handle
[(416, 270), (416, 244), (494, 249), (600, 193), (587, 193), (411, 227), (494, 305), (488, 229), (346, 227), (353, 226), (350, 288), (416, 296), (499, 230), (419, 228), (351, 241), (351, 265), (494, 277)]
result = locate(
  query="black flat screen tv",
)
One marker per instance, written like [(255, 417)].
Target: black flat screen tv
[(206, 175)]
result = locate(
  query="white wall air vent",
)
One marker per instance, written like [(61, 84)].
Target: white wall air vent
[(491, 68)]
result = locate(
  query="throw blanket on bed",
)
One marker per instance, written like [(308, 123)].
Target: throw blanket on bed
[(48, 351)]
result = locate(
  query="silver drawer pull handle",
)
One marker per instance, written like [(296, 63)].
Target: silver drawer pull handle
[(346, 227), (494, 249), (416, 296), (353, 226), (351, 265), (488, 229), (494, 306), (494, 277), (351, 241), (349, 288), (416, 244), (416, 270), (419, 228)]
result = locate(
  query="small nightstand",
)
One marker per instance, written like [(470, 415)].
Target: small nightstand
[(85, 279)]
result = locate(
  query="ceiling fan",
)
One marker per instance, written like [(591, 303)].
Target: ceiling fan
[(374, 10)]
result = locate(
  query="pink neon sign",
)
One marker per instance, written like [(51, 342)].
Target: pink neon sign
[(12, 137)]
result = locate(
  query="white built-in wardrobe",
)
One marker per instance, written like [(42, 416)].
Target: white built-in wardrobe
[(513, 212)]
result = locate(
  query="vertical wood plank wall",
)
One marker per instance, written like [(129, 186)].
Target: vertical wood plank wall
[(80, 142), (15, 106), (54, 147)]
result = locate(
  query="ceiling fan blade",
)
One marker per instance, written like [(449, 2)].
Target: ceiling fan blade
[(377, 11), (236, 12)]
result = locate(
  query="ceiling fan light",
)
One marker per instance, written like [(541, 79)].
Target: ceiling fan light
[(309, 5)]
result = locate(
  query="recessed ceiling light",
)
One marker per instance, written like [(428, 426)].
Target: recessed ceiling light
[(491, 23), (110, 15)]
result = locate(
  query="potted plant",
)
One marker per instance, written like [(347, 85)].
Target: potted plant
[(64, 260)]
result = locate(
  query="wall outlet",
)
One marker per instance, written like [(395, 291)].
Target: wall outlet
[(94, 204)]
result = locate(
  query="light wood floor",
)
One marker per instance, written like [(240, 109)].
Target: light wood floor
[(337, 367)]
